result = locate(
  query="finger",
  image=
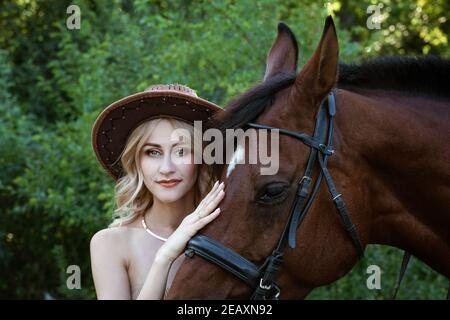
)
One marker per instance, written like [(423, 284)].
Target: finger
[(205, 200), (206, 210), (214, 202), (215, 185), (209, 195), (214, 194), (205, 220), (206, 207)]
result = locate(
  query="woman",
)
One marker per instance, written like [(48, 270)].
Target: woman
[(163, 198)]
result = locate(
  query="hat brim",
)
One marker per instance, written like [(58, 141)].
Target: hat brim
[(116, 122)]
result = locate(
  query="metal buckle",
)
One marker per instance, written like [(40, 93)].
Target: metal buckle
[(337, 196), (305, 178), (324, 149), (263, 286), (189, 253)]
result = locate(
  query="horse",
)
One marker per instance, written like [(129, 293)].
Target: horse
[(388, 155)]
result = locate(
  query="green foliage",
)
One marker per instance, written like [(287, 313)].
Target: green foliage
[(419, 282), (55, 81), (407, 27)]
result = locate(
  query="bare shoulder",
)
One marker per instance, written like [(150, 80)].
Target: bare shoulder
[(115, 239), (109, 263)]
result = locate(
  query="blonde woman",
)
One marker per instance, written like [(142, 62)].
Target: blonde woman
[(163, 198)]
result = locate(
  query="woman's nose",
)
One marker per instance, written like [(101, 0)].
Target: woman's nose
[(167, 167)]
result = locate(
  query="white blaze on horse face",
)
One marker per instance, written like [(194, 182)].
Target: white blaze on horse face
[(238, 157)]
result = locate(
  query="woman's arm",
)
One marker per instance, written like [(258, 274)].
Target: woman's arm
[(155, 283), (109, 266)]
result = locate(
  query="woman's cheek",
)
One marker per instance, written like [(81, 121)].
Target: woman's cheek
[(149, 170)]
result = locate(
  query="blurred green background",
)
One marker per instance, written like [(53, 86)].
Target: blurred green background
[(55, 81)]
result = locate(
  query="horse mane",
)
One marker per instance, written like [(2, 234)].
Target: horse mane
[(424, 75), (247, 106)]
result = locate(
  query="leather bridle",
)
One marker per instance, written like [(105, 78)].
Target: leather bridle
[(262, 279)]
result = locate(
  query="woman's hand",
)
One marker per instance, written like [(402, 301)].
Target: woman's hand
[(190, 225)]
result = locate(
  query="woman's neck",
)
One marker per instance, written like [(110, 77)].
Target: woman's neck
[(166, 217)]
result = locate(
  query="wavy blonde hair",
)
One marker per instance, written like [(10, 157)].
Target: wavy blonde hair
[(132, 198)]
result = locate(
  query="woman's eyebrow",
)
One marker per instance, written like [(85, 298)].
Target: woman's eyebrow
[(159, 146)]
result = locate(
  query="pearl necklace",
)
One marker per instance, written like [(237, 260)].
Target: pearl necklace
[(150, 232)]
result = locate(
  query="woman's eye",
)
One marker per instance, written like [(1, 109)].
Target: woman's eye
[(152, 152), (182, 152)]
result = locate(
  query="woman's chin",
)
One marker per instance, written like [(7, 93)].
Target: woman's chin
[(171, 195), (169, 198)]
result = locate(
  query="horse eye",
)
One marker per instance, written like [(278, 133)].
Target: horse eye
[(272, 192)]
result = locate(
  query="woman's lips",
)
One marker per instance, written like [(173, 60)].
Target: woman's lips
[(169, 183)]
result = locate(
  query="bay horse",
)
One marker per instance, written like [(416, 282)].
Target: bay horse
[(388, 155)]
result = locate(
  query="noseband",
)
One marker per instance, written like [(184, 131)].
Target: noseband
[(262, 278)]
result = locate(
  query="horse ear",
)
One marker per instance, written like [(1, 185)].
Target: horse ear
[(320, 72), (283, 55)]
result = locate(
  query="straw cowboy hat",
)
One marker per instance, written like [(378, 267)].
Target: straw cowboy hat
[(116, 122)]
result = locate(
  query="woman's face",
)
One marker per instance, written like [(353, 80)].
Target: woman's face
[(167, 163)]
